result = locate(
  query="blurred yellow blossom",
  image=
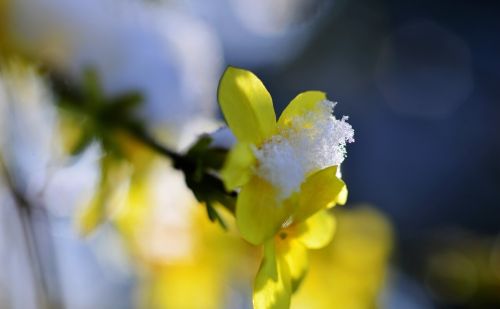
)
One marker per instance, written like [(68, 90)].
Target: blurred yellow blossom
[(350, 273), (216, 267), (121, 183), (175, 249)]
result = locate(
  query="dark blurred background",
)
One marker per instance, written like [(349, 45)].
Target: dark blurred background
[(420, 82)]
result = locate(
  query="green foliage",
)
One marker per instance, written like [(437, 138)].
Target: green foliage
[(199, 164), (101, 118), (98, 116)]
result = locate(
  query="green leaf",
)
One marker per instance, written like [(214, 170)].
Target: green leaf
[(214, 216), (200, 147), (92, 89), (84, 141)]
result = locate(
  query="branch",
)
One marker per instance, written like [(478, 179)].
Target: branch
[(35, 256), (111, 114)]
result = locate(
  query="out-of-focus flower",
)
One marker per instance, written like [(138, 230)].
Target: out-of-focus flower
[(351, 271), (174, 247), (217, 266), (288, 173), (461, 267)]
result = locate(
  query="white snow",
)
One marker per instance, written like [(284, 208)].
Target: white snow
[(313, 141)]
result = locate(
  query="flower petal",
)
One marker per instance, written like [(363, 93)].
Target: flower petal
[(90, 217), (247, 106), (293, 254), (272, 287), (342, 198), (317, 231), (320, 190), (237, 169), (259, 215), (303, 103)]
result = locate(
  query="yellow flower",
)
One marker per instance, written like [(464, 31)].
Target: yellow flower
[(351, 271), (287, 172)]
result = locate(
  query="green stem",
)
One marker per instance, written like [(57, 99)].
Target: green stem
[(187, 166), (76, 99)]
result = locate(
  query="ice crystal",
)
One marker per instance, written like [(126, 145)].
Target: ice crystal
[(313, 141)]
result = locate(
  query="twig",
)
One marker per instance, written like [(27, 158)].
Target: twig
[(107, 116), (25, 212)]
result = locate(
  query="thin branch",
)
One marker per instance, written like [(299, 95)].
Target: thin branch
[(151, 142), (25, 212), (206, 188)]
